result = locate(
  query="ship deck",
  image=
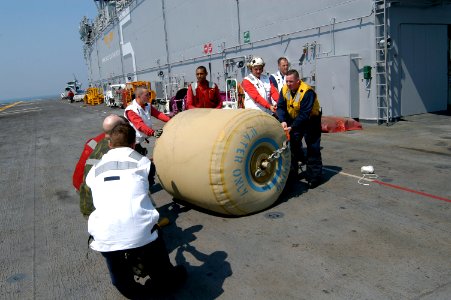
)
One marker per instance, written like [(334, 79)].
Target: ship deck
[(389, 239)]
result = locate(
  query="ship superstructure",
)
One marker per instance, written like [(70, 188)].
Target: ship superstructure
[(367, 59)]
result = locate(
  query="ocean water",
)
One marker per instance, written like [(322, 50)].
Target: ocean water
[(30, 99)]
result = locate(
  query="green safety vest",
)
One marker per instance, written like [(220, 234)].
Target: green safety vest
[(86, 203)]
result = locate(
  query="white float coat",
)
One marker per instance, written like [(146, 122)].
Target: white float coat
[(124, 214), (280, 79), (263, 86), (145, 114)]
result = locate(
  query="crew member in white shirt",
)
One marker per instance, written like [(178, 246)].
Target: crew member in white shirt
[(124, 222), (278, 79)]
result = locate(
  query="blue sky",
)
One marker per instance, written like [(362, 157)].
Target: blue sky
[(40, 47)]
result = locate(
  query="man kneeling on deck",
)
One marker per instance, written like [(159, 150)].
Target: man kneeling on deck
[(124, 222)]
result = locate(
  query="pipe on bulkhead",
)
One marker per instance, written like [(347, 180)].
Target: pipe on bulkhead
[(238, 20), (332, 37), (166, 38)]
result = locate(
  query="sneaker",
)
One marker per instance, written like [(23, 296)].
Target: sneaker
[(302, 174), (168, 282), (179, 275), (293, 176), (314, 183)]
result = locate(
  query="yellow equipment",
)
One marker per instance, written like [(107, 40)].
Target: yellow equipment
[(93, 96), (129, 92)]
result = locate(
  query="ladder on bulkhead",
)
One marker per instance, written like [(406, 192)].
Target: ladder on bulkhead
[(381, 66)]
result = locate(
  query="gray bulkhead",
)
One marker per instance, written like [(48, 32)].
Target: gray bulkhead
[(329, 42), (419, 58)]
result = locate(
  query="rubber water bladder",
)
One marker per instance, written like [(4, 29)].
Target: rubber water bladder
[(218, 159)]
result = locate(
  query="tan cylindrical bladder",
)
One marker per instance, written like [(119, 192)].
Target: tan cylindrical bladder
[(218, 159)]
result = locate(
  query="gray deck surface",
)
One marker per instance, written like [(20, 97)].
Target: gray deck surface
[(341, 240)]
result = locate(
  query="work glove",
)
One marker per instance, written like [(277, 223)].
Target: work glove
[(157, 133)]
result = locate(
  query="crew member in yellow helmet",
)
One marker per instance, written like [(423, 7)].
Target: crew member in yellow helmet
[(299, 112)]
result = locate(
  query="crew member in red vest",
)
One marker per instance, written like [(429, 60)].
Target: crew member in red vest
[(71, 95), (203, 94)]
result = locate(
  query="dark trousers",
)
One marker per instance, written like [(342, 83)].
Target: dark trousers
[(141, 150), (153, 258), (311, 133)]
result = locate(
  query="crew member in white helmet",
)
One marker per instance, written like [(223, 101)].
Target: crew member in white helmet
[(139, 113), (124, 222), (278, 78), (259, 93)]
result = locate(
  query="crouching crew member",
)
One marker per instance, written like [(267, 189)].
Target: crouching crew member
[(139, 113), (299, 108), (93, 151), (124, 221)]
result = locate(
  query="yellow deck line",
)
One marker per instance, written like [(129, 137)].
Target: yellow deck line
[(8, 106)]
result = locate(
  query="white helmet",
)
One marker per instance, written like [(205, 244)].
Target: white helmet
[(256, 61)]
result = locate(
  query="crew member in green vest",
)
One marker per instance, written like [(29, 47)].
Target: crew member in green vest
[(299, 112), (100, 148)]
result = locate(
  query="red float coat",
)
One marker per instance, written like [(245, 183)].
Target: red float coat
[(207, 96)]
